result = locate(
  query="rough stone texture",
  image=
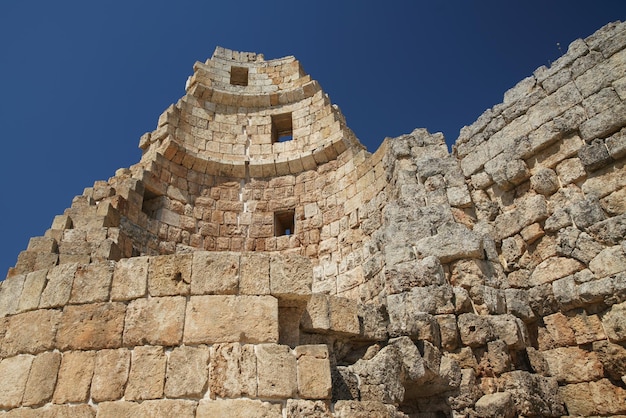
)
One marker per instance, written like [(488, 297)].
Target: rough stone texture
[(233, 371), (169, 275), (75, 373), (187, 372), (276, 371), (214, 273), (614, 322), (314, 381), (14, 372), (234, 408), (147, 374), (92, 283), (110, 374), (30, 332), (155, 321), (94, 326), (42, 379), (496, 404), (130, 278)]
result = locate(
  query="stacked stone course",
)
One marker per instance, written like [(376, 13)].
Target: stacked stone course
[(234, 273)]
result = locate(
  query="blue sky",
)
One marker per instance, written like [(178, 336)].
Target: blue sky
[(81, 81)]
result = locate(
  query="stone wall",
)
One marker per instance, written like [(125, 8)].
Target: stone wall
[(486, 282)]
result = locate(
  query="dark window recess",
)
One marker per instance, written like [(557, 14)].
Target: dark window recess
[(282, 128), (284, 223), (152, 202), (239, 76)]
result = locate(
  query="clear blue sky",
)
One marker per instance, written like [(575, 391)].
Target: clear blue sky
[(81, 81)]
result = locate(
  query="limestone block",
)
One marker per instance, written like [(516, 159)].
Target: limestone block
[(430, 299), (215, 319), (130, 278), (33, 286), (497, 404), (594, 398), (448, 330), (452, 242), (603, 124), (297, 408), (14, 372), (517, 303), (10, 291), (544, 181), (614, 322), (362, 409), (291, 276), (276, 371), (155, 321), (93, 326), (59, 286), (586, 212), (616, 144), (528, 210), (373, 317), (570, 170), (611, 231), (316, 316), (609, 261), (613, 359), (559, 329), (510, 329), (587, 328), (110, 374), (92, 283), (30, 332), (404, 319), (573, 365), (147, 374), (165, 408), (404, 276), (214, 273), (533, 394), (232, 371), (552, 269), (313, 372), (169, 275), (613, 204), (42, 379), (75, 375), (475, 330), (187, 372), (255, 274), (235, 408), (343, 316)]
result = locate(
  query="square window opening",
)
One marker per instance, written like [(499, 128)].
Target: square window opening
[(284, 223), (239, 76), (282, 128), (152, 202)]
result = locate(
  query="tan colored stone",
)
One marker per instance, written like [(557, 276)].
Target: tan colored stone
[(42, 379), (609, 261), (615, 203), (75, 375), (291, 276), (594, 398), (216, 319), (56, 411), (10, 291), (33, 286), (147, 374), (559, 329), (573, 365), (169, 275), (314, 380), (155, 321), (14, 372), (255, 274), (587, 328), (59, 286), (236, 408), (497, 404), (554, 268), (93, 326), (167, 408), (187, 372), (130, 278), (316, 316), (364, 409), (110, 375), (30, 332), (215, 273), (614, 322), (232, 371), (92, 283), (118, 409), (344, 315), (297, 408), (276, 371)]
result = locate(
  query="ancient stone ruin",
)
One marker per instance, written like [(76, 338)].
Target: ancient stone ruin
[(259, 262)]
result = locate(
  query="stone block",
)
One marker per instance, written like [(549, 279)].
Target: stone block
[(510, 329), (570, 170), (235, 408), (147, 374), (431, 299), (586, 212), (30, 332), (362, 409), (557, 325), (33, 286), (449, 331), (169, 275), (276, 372), (313, 372), (14, 372), (594, 398), (165, 408), (155, 321), (497, 404), (296, 408), (110, 374), (316, 316), (75, 375), (92, 283), (609, 261), (603, 124), (587, 328), (452, 242), (552, 269), (59, 286), (533, 394), (475, 330), (10, 291), (93, 326), (615, 203), (616, 144), (42, 379), (404, 276), (130, 278), (517, 303), (544, 181), (215, 273), (343, 316), (255, 274), (291, 276), (613, 359), (232, 371), (614, 322), (404, 319), (215, 319), (187, 372), (573, 365)]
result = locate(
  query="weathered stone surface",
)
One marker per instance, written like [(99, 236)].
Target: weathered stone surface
[(75, 375), (147, 374), (169, 275), (155, 321), (609, 261), (215, 273), (235, 408), (276, 371), (30, 332), (255, 274), (14, 372), (31, 293), (430, 299), (313, 366), (110, 374), (613, 359), (554, 268), (404, 276), (187, 372), (614, 322), (93, 326), (59, 286), (452, 242), (291, 276), (215, 319), (365, 409), (497, 404), (594, 398), (233, 371), (42, 379), (544, 181), (343, 316), (573, 365), (166, 408), (10, 291), (130, 278), (297, 408), (92, 283), (510, 329), (533, 394), (475, 330)]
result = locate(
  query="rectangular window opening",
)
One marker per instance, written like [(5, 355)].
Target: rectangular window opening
[(152, 202), (284, 223), (282, 128), (239, 76)]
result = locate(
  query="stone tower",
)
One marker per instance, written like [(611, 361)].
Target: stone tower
[(258, 261)]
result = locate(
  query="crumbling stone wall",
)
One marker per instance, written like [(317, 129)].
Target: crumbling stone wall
[(486, 282)]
